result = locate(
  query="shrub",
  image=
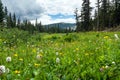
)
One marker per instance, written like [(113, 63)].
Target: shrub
[(70, 37), (13, 37)]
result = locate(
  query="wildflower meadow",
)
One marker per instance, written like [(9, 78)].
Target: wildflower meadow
[(72, 56)]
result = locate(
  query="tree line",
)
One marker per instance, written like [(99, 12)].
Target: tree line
[(106, 15), (10, 20)]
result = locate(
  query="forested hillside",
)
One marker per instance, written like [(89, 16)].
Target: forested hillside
[(106, 15)]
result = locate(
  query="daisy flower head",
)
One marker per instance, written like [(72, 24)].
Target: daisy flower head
[(57, 60), (2, 69), (8, 59)]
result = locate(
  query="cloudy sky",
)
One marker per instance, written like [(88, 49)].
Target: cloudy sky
[(46, 11)]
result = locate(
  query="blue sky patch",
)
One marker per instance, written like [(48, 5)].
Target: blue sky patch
[(60, 16)]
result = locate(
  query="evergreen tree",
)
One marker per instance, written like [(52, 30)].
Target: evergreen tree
[(58, 28), (6, 11), (5, 15), (18, 23), (25, 25), (1, 12), (40, 27), (36, 22), (9, 21), (14, 20), (30, 27), (85, 15), (104, 14), (98, 14), (95, 21), (78, 28), (117, 12)]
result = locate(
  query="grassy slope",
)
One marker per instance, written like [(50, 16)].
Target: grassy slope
[(90, 55)]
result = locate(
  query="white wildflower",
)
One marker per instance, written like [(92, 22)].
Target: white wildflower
[(106, 66), (57, 60), (32, 46), (7, 70), (27, 45), (89, 41), (38, 52), (57, 53), (8, 59), (116, 36), (41, 51), (4, 42), (113, 62), (2, 69), (38, 49), (39, 56)]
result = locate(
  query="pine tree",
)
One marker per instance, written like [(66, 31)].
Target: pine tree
[(25, 25), (85, 15), (1, 12), (36, 22), (36, 25), (77, 20), (104, 14), (40, 27), (98, 14), (58, 28), (9, 21), (14, 20), (95, 21), (6, 11), (5, 15), (18, 23), (30, 27), (104, 11), (117, 12)]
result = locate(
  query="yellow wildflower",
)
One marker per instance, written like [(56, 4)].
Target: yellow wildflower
[(23, 51), (61, 54), (17, 72), (77, 49), (36, 65), (106, 37), (41, 55), (21, 59), (56, 44), (15, 55), (34, 50), (86, 54), (103, 67)]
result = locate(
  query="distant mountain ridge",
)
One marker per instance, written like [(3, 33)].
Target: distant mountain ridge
[(62, 25)]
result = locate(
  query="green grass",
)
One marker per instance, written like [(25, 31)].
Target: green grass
[(83, 56)]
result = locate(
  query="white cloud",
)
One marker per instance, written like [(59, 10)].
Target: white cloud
[(25, 9), (64, 7), (43, 8), (46, 19)]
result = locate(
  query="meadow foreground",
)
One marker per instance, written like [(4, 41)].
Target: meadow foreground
[(73, 56)]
